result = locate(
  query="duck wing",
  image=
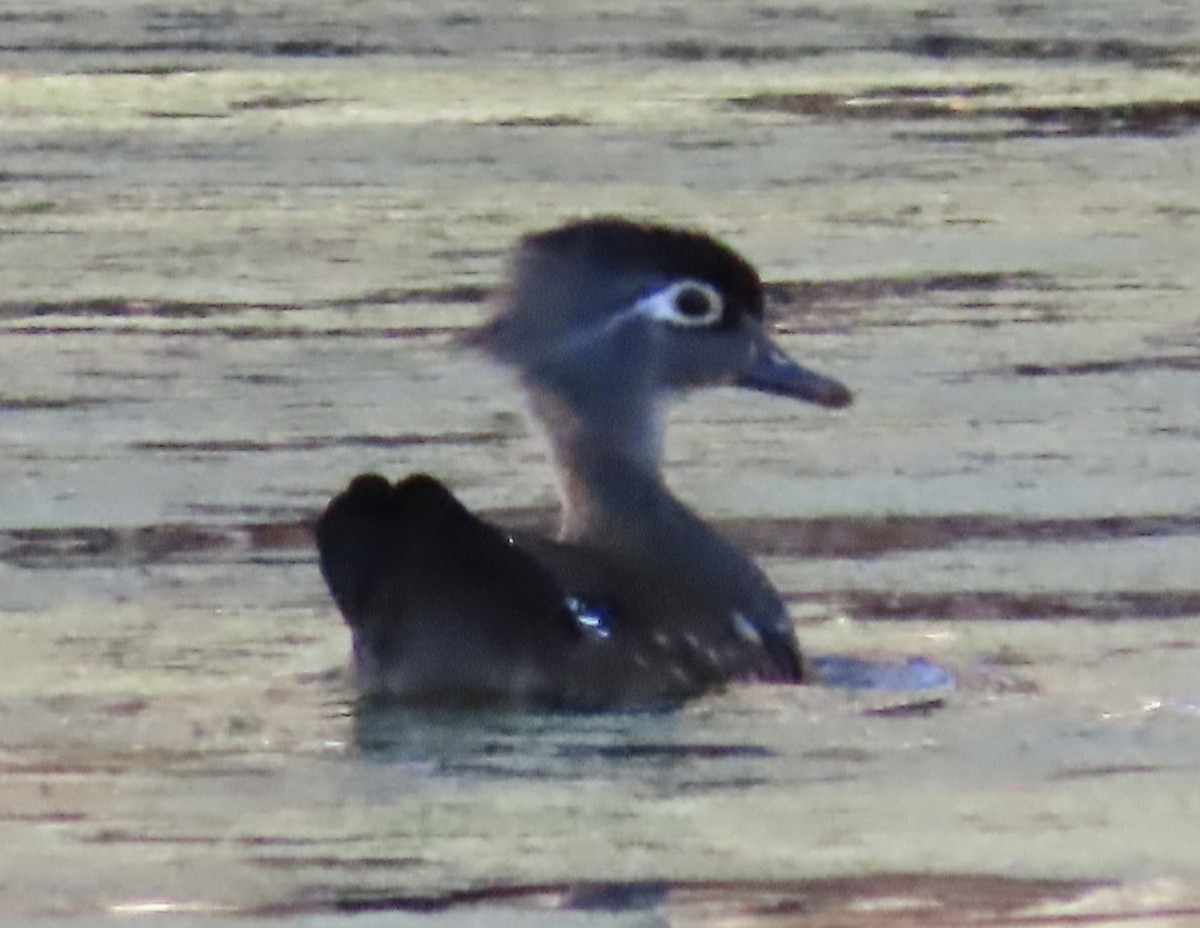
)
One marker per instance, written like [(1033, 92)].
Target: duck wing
[(443, 607)]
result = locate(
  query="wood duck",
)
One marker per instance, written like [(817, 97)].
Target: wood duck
[(638, 602)]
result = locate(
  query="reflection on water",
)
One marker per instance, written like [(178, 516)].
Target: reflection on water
[(640, 748), (913, 674)]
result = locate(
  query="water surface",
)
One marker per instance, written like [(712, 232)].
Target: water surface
[(235, 248)]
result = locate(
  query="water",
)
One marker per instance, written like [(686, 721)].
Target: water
[(235, 248)]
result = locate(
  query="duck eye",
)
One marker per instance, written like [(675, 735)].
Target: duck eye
[(695, 303), (689, 303)]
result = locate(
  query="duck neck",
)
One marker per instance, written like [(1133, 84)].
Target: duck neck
[(606, 461), (614, 500)]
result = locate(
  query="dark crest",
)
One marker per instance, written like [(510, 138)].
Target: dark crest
[(664, 250)]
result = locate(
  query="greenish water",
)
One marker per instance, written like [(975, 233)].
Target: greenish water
[(235, 245)]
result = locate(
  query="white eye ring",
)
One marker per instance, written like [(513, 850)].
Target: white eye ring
[(691, 304)]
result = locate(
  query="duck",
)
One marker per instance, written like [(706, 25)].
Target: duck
[(637, 602)]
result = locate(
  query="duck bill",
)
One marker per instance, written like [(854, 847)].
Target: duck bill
[(774, 372)]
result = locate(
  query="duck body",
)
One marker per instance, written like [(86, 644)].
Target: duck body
[(637, 602)]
